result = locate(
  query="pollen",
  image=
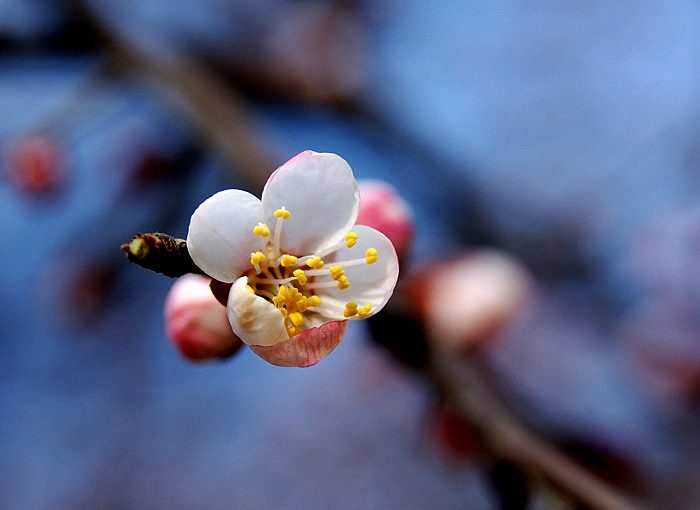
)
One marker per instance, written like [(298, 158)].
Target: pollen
[(291, 331), (351, 239), (350, 310), (336, 271), (288, 260), (282, 213), (302, 304), (296, 318), (343, 283), (371, 255), (301, 277), (257, 258), (364, 311), (261, 230), (315, 263), (313, 301), (250, 289)]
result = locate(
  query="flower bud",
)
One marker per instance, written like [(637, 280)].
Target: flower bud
[(196, 322), (382, 208), (467, 301), (34, 164)]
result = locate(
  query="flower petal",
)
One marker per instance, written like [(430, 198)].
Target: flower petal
[(369, 283), (220, 238), (306, 348), (255, 320), (321, 193)]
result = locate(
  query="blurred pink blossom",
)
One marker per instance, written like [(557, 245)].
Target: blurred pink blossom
[(465, 302), (382, 208)]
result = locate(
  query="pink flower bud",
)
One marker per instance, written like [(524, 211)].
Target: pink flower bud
[(467, 301), (196, 322), (34, 164), (382, 208)]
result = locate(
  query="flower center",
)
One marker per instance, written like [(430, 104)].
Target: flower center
[(290, 282)]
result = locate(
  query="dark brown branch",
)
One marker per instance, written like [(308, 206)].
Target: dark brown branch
[(161, 253)]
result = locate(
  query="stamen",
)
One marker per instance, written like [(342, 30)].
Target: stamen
[(351, 239), (301, 277), (296, 318), (273, 281), (336, 271), (291, 331), (261, 229), (287, 260), (350, 310), (364, 311), (302, 304), (343, 283), (315, 263), (250, 289), (256, 259), (371, 255), (313, 301), (281, 214)]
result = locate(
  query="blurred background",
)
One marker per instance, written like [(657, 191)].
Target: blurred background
[(564, 137)]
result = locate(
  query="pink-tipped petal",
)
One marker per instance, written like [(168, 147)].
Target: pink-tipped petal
[(304, 349), (320, 192)]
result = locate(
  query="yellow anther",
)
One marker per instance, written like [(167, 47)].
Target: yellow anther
[(279, 301), (343, 283), (336, 271), (364, 311), (250, 289), (351, 239), (288, 260), (261, 229), (350, 310), (257, 258), (371, 255), (315, 263), (291, 331), (313, 301), (302, 304), (284, 312), (296, 318), (282, 213), (301, 277)]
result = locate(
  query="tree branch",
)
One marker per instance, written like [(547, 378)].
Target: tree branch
[(161, 253), (508, 439)]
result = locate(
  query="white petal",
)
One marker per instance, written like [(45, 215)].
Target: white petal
[(254, 319), (321, 193), (369, 283), (220, 238)]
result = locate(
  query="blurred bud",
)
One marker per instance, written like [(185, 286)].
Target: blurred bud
[(382, 208), (34, 164), (452, 435), (467, 301), (196, 322)]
